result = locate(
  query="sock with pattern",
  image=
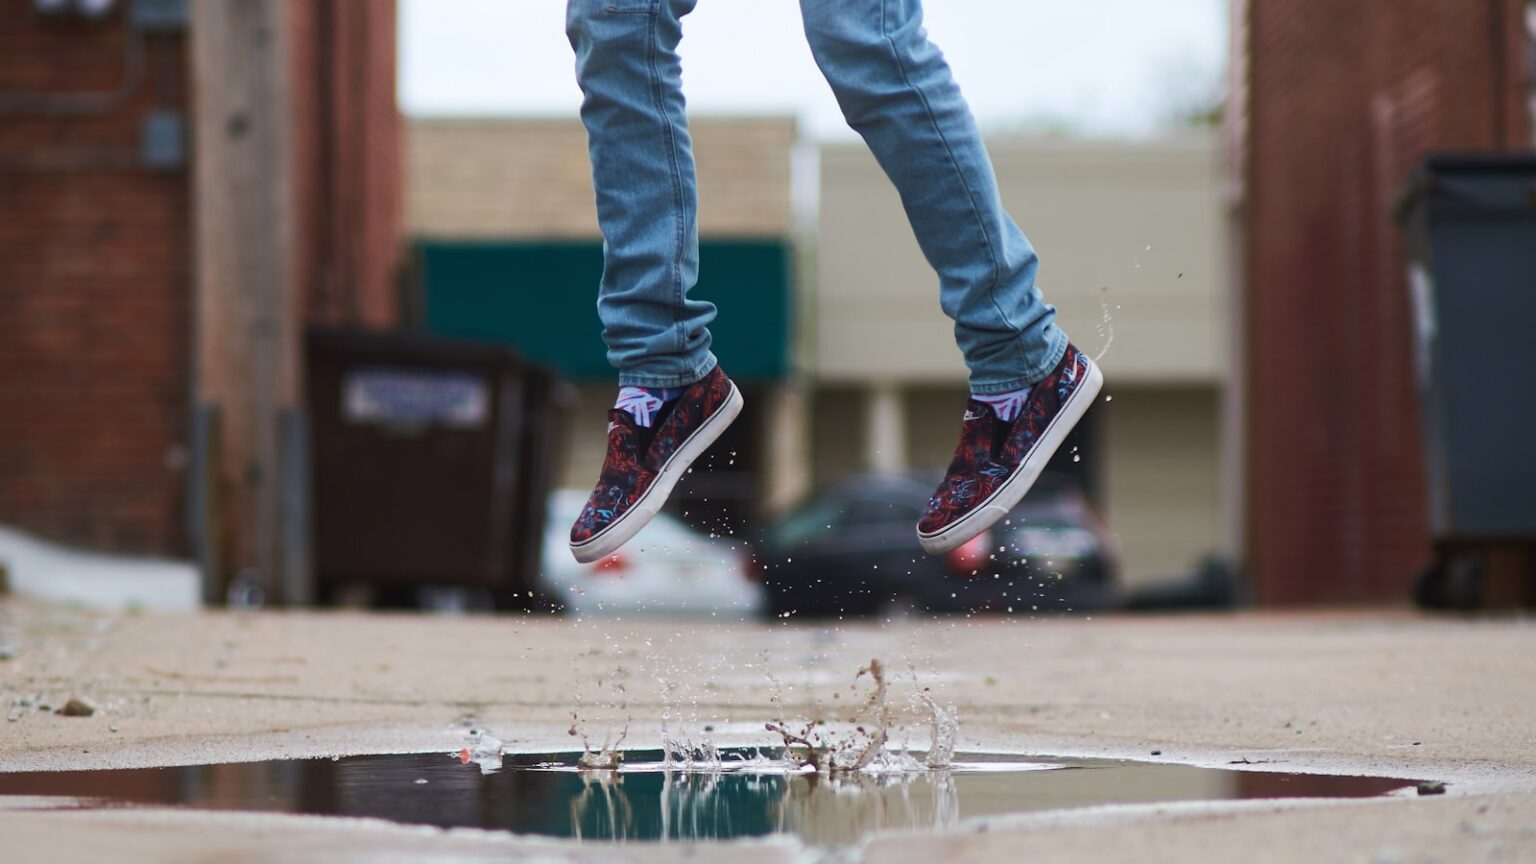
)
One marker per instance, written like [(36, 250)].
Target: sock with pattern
[(642, 403), (1005, 405)]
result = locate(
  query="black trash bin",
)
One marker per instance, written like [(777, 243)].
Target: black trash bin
[(1470, 225), (432, 462)]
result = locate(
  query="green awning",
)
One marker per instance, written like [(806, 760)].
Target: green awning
[(541, 298)]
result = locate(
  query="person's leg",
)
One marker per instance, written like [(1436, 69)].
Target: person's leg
[(1029, 386), (642, 171), (674, 400), (896, 90)]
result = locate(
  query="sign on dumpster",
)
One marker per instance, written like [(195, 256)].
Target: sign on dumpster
[(414, 398)]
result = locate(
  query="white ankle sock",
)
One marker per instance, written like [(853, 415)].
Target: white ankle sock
[(1005, 405), (642, 403)]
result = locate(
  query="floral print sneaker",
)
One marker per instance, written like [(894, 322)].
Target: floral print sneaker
[(643, 464), (996, 461)]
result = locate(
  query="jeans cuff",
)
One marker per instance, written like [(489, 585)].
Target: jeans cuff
[(985, 386), (696, 373)]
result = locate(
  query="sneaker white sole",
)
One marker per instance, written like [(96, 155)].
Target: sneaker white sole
[(1006, 496), (607, 541)]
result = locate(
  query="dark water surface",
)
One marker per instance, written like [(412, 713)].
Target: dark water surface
[(544, 794)]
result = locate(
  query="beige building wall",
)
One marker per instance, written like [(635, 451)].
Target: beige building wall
[(838, 432), (490, 178), (1162, 480), (1129, 237)]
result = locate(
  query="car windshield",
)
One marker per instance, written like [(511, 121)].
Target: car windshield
[(1053, 511), (808, 522), (868, 503)]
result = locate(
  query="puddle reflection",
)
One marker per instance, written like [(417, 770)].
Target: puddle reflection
[(646, 803)]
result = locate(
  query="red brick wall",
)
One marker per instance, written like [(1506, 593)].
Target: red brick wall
[(349, 169), (95, 258), (94, 282), (1343, 99)]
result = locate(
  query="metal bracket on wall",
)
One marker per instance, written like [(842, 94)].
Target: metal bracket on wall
[(162, 140)]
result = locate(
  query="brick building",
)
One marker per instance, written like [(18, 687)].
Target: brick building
[(1332, 105), (129, 248)]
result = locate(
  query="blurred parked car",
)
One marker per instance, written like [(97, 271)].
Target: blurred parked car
[(853, 550), (667, 569)]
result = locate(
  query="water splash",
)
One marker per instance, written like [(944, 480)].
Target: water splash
[(1106, 325), (827, 749), (855, 740), (683, 754), (681, 704), (606, 758), (609, 756), (945, 729), (822, 748), (858, 743)]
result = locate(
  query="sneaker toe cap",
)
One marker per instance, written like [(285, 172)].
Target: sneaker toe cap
[(593, 519)]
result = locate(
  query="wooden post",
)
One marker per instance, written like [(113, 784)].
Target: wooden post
[(245, 319)]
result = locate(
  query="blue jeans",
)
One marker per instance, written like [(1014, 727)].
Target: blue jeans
[(894, 88)]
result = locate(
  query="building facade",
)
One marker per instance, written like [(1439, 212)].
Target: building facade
[(1331, 108), (1131, 237), (504, 233), (1131, 245), (186, 186), (95, 281)]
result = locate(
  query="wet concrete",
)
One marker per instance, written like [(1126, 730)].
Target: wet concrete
[(1380, 693), (747, 794)]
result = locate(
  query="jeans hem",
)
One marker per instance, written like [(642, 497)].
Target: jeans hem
[(697, 372), (1030, 377)]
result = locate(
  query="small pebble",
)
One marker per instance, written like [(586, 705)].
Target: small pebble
[(77, 707), (1157, 752), (1431, 787)]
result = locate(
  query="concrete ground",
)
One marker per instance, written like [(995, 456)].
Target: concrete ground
[(1386, 693)]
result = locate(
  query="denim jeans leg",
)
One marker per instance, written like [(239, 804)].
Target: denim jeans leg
[(642, 171), (896, 90)]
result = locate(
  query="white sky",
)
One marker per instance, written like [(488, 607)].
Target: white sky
[(1094, 67)]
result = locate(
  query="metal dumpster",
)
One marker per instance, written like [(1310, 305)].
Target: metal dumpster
[(1470, 226), (432, 462)]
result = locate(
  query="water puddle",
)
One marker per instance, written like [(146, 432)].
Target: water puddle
[(653, 796)]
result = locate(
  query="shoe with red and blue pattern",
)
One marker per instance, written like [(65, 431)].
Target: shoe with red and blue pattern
[(997, 462), (644, 463)]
